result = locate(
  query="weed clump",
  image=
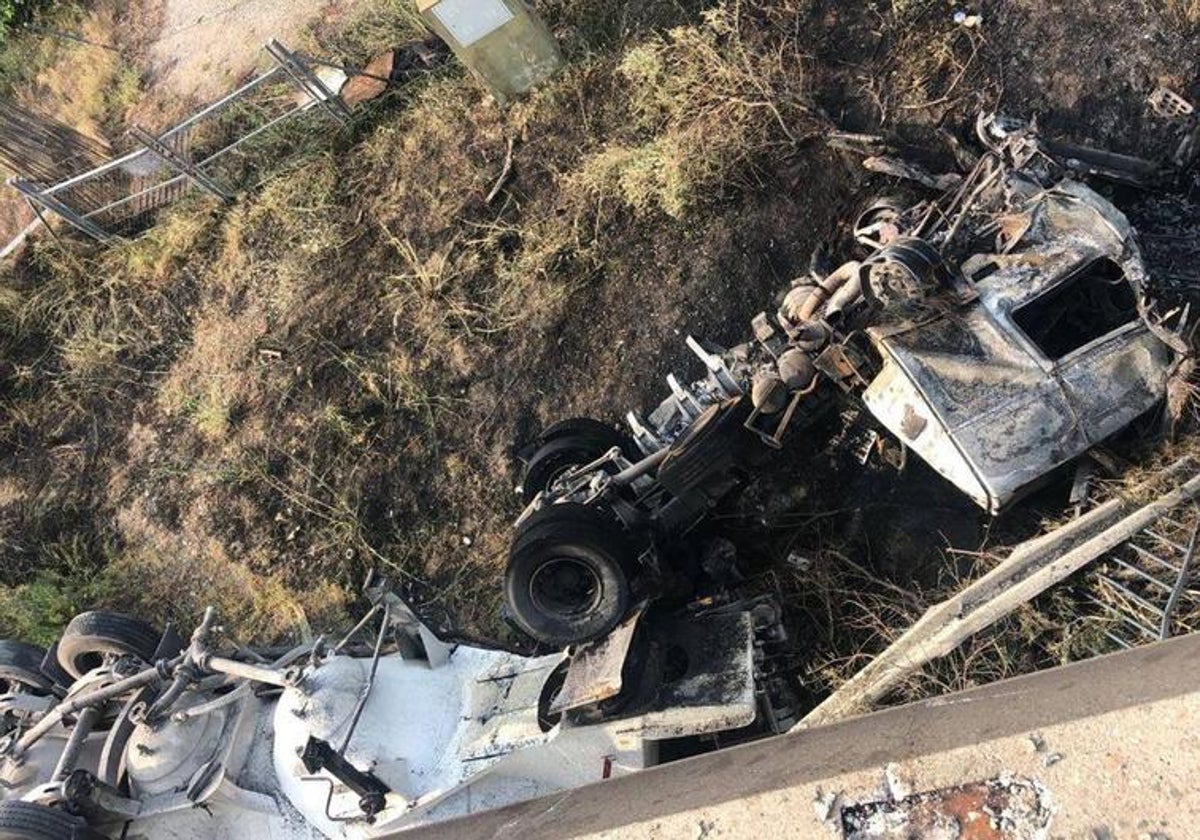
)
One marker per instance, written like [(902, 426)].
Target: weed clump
[(369, 29), (1186, 12), (708, 103)]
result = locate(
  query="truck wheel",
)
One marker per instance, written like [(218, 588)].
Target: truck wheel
[(30, 821), (93, 635), (568, 444), (567, 580), (21, 667)]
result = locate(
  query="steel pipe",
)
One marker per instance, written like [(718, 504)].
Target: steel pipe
[(86, 722), (89, 699), (239, 692), (246, 671), (184, 677), (825, 291), (641, 468)]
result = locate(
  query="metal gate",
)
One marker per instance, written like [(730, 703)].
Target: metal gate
[(212, 150)]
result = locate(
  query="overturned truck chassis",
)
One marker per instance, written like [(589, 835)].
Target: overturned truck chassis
[(997, 332), (123, 731)]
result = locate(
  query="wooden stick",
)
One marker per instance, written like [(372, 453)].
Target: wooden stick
[(504, 175)]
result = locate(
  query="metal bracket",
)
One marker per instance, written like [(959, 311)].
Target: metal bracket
[(318, 755), (839, 363), (309, 82), (717, 367), (42, 199)]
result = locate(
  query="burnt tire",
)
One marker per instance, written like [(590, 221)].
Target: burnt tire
[(21, 667), (881, 209), (30, 821), (568, 444), (567, 580), (92, 636)]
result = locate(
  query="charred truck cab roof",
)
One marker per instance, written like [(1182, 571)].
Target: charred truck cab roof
[(1051, 359)]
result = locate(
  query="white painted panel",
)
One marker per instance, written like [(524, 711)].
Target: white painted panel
[(897, 404), (469, 21)]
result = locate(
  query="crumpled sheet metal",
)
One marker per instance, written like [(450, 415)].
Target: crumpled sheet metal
[(976, 399)]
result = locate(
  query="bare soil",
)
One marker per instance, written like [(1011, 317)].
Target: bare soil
[(203, 48)]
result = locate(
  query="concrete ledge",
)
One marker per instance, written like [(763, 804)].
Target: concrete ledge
[(1127, 727)]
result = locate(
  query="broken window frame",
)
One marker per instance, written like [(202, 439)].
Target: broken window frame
[(1051, 363)]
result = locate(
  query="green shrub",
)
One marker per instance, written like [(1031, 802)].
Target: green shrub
[(73, 581), (16, 12)]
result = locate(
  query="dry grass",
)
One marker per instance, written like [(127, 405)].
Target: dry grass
[(320, 378), (88, 86), (864, 613), (23, 54), (708, 102), (369, 28), (1186, 12), (867, 614)]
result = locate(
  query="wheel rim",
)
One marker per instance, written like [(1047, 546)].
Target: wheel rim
[(565, 587), (89, 662), (560, 472)]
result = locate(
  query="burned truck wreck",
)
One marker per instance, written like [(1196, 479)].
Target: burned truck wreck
[(997, 332)]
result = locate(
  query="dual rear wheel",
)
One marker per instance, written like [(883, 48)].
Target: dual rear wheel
[(569, 444), (30, 821), (21, 669), (91, 637), (89, 640), (569, 572), (570, 565)]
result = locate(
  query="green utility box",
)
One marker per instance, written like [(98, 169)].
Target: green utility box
[(504, 42)]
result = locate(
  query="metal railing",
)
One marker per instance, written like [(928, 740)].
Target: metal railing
[(1146, 588), (212, 150)]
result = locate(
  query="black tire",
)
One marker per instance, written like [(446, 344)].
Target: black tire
[(21, 666), (571, 443), (567, 580), (92, 635), (54, 671), (29, 821)]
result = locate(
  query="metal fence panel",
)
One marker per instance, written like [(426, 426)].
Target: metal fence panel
[(214, 149)]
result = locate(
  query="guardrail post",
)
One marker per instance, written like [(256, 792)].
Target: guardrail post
[(179, 163), (42, 199), (309, 82)]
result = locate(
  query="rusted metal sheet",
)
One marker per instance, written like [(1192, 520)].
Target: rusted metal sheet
[(595, 673), (372, 82)]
